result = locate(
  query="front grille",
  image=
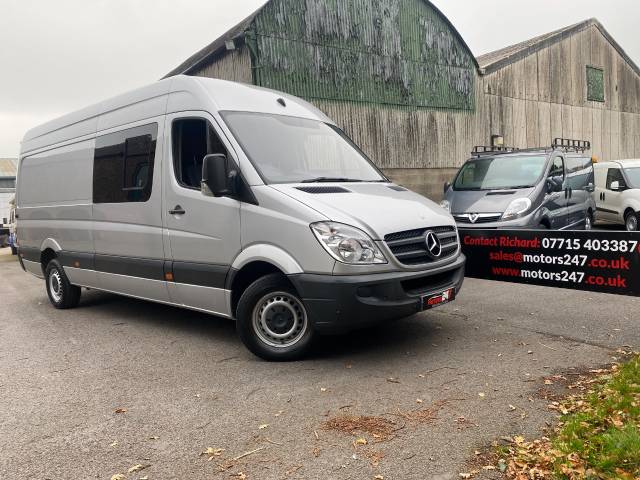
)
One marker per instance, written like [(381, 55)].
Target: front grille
[(410, 247), (482, 218)]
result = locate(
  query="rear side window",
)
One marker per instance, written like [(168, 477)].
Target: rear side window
[(557, 168), (579, 172), (615, 175), (123, 165)]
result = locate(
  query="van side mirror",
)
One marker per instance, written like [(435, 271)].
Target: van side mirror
[(554, 184), (616, 187), (217, 175), (447, 186)]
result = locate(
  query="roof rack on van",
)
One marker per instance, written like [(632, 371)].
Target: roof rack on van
[(569, 145), (489, 150)]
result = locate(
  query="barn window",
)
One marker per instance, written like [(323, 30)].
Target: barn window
[(595, 84)]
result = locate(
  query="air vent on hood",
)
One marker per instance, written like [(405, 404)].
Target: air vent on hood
[(398, 188), (321, 190)]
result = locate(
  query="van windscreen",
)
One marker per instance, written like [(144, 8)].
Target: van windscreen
[(633, 174), (500, 173), (295, 150)]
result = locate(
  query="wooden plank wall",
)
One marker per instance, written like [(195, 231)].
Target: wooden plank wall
[(555, 93)]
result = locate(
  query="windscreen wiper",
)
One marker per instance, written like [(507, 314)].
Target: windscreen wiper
[(330, 180)]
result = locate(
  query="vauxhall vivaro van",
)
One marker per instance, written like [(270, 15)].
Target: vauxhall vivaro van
[(545, 188), (618, 193), (233, 200)]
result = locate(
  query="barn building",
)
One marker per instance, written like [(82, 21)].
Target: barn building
[(401, 81)]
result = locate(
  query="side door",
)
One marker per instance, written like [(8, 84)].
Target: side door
[(202, 232), (580, 184), (611, 207), (127, 215), (556, 201)]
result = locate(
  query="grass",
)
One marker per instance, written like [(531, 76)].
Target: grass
[(598, 436)]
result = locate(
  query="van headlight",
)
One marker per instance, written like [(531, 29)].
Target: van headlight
[(347, 244), (516, 208), (446, 205)]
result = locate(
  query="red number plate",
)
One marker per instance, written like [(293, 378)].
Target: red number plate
[(439, 299)]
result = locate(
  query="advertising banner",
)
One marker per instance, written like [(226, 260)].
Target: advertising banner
[(599, 261)]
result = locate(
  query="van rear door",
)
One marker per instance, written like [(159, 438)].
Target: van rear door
[(203, 232)]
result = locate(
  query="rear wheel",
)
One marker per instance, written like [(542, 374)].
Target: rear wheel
[(631, 221), (272, 320), (61, 293)]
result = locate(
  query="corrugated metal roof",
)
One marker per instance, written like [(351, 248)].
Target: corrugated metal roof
[(493, 61), (237, 33), (8, 167)]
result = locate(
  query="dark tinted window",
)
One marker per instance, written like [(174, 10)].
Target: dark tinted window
[(615, 175), (123, 165), (557, 168), (193, 139), (7, 183), (579, 172)]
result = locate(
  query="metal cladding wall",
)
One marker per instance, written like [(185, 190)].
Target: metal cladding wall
[(382, 52)]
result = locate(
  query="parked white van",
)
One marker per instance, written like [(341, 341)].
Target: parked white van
[(233, 200), (618, 193)]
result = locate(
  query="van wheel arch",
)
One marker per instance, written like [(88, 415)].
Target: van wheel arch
[(243, 278), (45, 258)]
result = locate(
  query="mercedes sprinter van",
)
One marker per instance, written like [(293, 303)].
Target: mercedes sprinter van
[(233, 200), (542, 188)]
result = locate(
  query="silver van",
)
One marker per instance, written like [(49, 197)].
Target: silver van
[(232, 200), (543, 188)]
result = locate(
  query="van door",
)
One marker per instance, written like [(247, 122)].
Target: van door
[(203, 231), (611, 206), (556, 202), (127, 197), (580, 184)]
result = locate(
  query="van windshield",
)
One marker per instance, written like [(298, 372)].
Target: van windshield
[(501, 173), (633, 174), (296, 150)]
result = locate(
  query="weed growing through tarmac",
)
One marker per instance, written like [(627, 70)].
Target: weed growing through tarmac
[(598, 435)]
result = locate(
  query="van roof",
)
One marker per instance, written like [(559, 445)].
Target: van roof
[(627, 163), (192, 93)]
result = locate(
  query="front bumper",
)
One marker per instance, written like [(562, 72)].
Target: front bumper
[(339, 304)]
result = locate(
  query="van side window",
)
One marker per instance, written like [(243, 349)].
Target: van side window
[(193, 139), (615, 175), (557, 168), (579, 172), (123, 165)]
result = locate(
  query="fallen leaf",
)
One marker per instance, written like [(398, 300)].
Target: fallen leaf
[(121, 410), (137, 468), (118, 476), (465, 475), (419, 400), (360, 441), (154, 438), (279, 413), (239, 476), (481, 395), (262, 427), (114, 444), (378, 477), (548, 382), (512, 408), (323, 389), (212, 452), (393, 380)]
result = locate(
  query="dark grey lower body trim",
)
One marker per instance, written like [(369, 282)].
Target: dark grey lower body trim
[(606, 210), (198, 274)]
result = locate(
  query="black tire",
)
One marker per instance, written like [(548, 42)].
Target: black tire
[(62, 294), (271, 306), (628, 221), (14, 250)]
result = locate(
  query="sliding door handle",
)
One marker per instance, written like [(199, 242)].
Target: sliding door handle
[(177, 210)]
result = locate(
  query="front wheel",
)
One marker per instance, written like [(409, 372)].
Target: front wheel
[(588, 222), (61, 293), (631, 221), (272, 320)]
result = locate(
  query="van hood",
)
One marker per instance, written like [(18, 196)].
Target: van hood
[(487, 201), (377, 208)]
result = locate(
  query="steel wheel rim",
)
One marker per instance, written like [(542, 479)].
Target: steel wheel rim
[(587, 224), (632, 223), (280, 320), (55, 285)]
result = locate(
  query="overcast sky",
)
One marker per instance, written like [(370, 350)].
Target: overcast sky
[(58, 56)]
